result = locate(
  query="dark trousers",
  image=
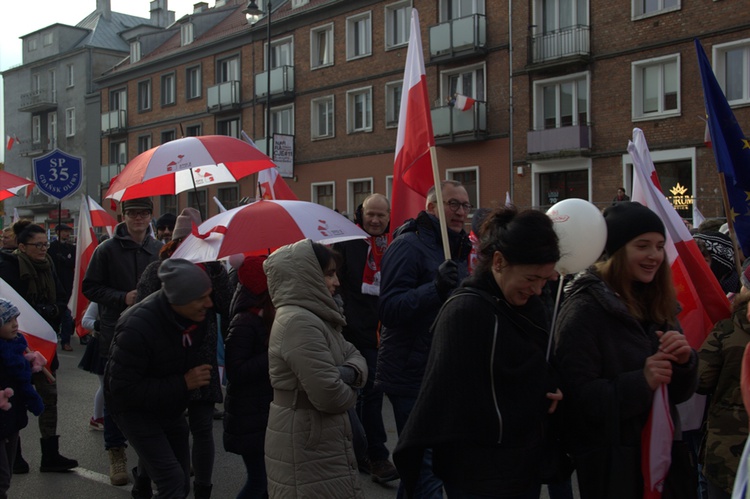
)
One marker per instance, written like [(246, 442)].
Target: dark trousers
[(201, 423), (163, 448), (7, 456), (48, 391), (256, 486), (370, 410), (66, 327), (428, 486)]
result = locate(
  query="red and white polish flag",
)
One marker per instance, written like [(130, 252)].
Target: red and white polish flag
[(273, 186), (86, 243), (38, 333), (464, 103), (100, 217), (9, 141), (412, 168), (702, 300)]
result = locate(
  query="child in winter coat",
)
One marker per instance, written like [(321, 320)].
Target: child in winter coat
[(15, 374)]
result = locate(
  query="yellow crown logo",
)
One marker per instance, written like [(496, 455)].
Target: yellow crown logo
[(678, 190)]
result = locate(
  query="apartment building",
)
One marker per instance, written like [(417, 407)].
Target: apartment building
[(586, 72), (48, 104), (336, 70)]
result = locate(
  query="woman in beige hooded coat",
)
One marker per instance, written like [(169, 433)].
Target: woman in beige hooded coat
[(315, 374)]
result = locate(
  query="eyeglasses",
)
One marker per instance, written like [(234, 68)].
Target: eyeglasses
[(38, 245), (138, 213), (455, 205)]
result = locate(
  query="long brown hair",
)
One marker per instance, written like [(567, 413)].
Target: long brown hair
[(655, 301)]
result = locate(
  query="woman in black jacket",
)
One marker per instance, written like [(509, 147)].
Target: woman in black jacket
[(249, 391), (618, 341), (488, 389)]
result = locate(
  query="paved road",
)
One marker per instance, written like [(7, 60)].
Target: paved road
[(91, 479)]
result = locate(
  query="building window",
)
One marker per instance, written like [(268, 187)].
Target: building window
[(732, 69), (323, 194), (197, 200), (356, 192), (228, 70), (653, 7), (393, 92), (118, 99), (135, 52), (453, 9), (36, 82), (322, 118), (299, 3), (397, 23), (144, 143), (193, 82), (469, 178), (229, 197), (186, 34), (47, 39), (52, 129), (32, 44), (358, 36), (144, 95), (321, 46), (388, 186), (282, 121), (561, 102), (118, 152), (282, 53), (559, 185), (167, 136), (359, 110), (229, 127), (193, 131), (70, 122), (465, 81), (168, 204), (71, 75), (167, 90), (36, 129), (656, 87)]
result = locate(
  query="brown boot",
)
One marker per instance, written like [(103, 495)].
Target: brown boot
[(118, 466)]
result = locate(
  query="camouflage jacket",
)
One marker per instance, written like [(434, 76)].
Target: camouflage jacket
[(719, 375)]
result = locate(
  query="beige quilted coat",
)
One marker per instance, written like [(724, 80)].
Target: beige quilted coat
[(309, 451)]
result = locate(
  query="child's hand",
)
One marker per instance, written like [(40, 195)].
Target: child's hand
[(37, 361), (5, 395)]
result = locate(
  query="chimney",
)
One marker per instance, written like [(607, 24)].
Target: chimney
[(104, 7), (200, 7), (161, 16)]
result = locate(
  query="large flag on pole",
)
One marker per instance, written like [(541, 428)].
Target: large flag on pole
[(702, 300), (86, 243), (412, 168), (731, 150), (38, 333)]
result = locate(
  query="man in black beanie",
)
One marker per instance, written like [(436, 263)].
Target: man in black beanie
[(165, 226), (152, 369)]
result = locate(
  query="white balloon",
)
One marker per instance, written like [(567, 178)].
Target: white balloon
[(582, 232)]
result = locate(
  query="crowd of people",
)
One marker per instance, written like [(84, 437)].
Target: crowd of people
[(485, 403)]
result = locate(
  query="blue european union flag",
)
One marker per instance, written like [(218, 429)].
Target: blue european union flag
[(731, 150)]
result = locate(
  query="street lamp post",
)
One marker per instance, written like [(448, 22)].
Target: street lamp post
[(253, 14)]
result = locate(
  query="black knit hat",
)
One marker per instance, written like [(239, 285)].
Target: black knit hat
[(627, 220)]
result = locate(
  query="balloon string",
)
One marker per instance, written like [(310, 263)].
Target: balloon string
[(553, 327)]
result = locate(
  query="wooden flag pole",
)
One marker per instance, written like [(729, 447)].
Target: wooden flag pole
[(439, 201), (730, 223)]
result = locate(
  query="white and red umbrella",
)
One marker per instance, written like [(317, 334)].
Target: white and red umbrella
[(187, 163), (265, 225), (10, 184)]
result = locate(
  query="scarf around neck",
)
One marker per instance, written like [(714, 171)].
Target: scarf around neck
[(38, 276), (376, 246)]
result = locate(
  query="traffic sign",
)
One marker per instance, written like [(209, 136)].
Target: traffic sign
[(58, 174)]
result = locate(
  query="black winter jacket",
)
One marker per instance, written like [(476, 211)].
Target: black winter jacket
[(483, 404), (115, 268), (409, 301), (601, 352), (249, 391), (148, 360)]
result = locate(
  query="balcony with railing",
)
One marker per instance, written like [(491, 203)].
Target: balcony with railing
[(282, 83), (223, 96), (570, 44), (35, 148), (39, 100), (451, 125), (115, 122), (555, 140), (462, 37)]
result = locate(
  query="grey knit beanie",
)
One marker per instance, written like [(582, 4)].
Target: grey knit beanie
[(183, 227), (183, 281), (7, 311)]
